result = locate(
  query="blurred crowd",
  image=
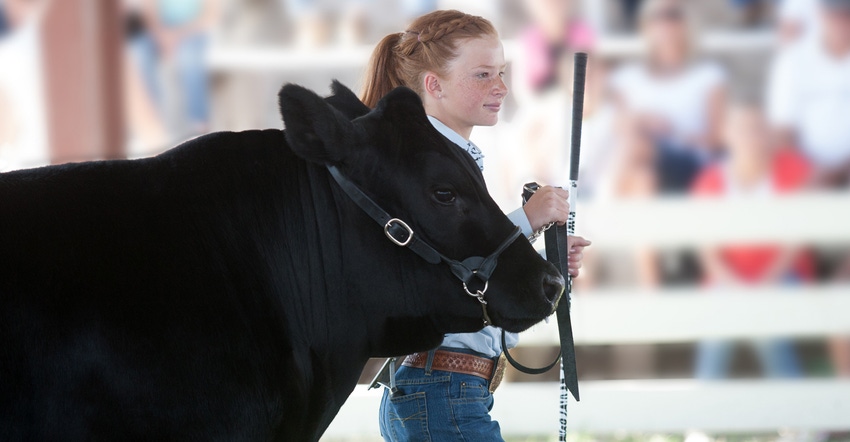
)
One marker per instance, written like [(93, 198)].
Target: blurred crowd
[(668, 119), (674, 121)]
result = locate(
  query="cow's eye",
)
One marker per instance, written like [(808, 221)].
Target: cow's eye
[(444, 196)]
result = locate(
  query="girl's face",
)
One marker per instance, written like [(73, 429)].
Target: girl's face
[(472, 91)]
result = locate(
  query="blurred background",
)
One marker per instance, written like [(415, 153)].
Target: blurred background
[(714, 303)]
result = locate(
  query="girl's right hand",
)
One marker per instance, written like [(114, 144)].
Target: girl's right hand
[(549, 204)]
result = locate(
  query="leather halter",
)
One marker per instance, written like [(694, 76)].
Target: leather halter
[(402, 235)]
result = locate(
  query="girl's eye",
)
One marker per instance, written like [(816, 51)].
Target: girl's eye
[(444, 196), (484, 75), (501, 75)]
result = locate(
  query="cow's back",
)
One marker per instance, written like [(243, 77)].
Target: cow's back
[(140, 295)]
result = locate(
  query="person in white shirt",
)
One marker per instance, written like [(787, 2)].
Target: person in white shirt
[(456, 63), (676, 99), (809, 106), (797, 19), (809, 95)]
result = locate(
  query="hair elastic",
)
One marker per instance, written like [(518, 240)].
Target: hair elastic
[(418, 35)]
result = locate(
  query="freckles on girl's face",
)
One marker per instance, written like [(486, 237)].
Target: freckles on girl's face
[(474, 88)]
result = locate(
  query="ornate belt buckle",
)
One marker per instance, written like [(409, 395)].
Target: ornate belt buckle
[(498, 373)]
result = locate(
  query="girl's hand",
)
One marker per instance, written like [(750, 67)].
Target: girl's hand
[(547, 205), (576, 245)]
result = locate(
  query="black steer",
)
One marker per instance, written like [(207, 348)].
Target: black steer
[(228, 289)]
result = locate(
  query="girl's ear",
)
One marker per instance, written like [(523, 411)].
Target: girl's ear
[(432, 85)]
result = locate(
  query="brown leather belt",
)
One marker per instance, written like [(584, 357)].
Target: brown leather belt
[(461, 363)]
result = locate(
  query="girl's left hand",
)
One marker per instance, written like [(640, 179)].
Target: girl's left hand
[(576, 245)]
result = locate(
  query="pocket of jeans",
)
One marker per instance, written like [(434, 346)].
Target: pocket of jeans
[(474, 390), (408, 417)]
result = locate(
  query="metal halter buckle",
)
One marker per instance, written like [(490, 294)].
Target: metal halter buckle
[(397, 242)]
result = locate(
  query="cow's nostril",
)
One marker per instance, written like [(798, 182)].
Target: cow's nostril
[(553, 286)]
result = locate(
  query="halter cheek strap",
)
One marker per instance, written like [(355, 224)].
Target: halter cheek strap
[(402, 235)]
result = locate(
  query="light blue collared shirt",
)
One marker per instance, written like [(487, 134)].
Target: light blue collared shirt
[(488, 341)]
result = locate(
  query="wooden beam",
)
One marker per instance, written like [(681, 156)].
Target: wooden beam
[(82, 43)]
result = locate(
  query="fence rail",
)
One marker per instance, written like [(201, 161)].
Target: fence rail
[(224, 57), (607, 407), (807, 218), (684, 315), (688, 315)]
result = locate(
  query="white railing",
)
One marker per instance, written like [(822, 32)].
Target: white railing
[(816, 218), (683, 315), (609, 317), (688, 315), (223, 57), (671, 406)]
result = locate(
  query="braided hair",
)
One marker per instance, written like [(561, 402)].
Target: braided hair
[(429, 44)]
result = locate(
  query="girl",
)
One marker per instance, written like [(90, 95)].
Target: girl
[(456, 63)]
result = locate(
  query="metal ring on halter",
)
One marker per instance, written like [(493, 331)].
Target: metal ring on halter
[(399, 243), (478, 294)]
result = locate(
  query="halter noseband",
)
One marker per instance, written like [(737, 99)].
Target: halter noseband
[(400, 233)]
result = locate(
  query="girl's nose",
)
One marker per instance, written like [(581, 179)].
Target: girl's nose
[(501, 88)]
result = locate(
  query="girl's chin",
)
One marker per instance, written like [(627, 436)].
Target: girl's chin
[(490, 120)]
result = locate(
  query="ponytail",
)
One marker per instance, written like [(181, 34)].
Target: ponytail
[(430, 44), (382, 76)]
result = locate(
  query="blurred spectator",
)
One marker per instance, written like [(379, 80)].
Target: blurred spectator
[(809, 95), (547, 145), (753, 13), (617, 162), (797, 19), (146, 128), (14, 13), (630, 12), (175, 40), (4, 24), (312, 20), (809, 92), (555, 33), (676, 98), (634, 177), (23, 133), (752, 170), (349, 22)]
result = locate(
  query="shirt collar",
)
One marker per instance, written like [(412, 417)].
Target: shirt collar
[(461, 142)]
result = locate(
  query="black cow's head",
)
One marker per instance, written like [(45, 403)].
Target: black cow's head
[(395, 155)]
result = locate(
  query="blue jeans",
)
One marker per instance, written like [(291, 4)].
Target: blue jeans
[(438, 406), (777, 357)]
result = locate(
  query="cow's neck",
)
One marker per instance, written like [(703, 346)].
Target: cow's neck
[(357, 295), (387, 287)]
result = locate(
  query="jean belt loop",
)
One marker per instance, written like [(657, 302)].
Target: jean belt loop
[(429, 362)]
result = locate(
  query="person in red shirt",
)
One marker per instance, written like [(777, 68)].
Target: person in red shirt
[(752, 170)]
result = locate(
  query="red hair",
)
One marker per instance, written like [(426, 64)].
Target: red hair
[(429, 44)]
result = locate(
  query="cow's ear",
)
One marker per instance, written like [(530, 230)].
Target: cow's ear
[(346, 102), (402, 105), (315, 130)]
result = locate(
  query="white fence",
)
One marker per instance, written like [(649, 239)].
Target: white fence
[(683, 315), (526, 409), (277, 58)]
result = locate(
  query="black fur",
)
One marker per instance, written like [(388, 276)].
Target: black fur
[(227, 289)]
